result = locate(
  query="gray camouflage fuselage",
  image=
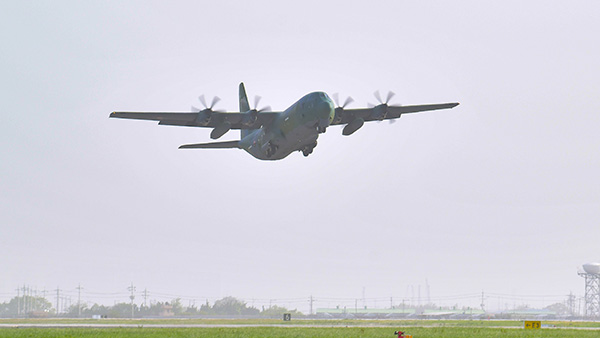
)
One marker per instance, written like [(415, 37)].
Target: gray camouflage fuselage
[(295, 129)]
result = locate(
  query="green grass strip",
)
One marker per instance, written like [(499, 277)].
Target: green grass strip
[(295, 332)]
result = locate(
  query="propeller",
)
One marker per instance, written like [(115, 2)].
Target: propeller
[(257, 99), (204, 115), (214, 101), (340, 107), (251, 116), (382, 106), (336, 99), (387, 99)]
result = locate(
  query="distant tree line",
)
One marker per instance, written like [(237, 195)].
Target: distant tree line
[(28, 306)]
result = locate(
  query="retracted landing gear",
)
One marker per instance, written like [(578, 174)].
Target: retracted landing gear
[(271, 150), (309, 149), (320, 129)]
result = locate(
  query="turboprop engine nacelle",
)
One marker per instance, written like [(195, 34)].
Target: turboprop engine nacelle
[(250, 117), (220, 130), (353, 126), (379, 112), (203, 117)]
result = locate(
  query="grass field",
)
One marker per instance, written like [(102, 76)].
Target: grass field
[(296, 332), (295, 328)]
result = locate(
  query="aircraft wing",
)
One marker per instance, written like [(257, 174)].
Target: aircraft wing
[(209, 119), (344, 116)]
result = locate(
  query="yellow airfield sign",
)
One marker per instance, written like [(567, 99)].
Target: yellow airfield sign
[(532, 324)]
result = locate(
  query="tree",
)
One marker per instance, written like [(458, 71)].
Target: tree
[(122, 310), (25, 306), (177, 307), (96, 309), (277, 312), (233, 306), (558, 308), (73, 310)]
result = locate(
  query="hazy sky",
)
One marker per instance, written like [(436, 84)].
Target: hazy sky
[(500, 194)]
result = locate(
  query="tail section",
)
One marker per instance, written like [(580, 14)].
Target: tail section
[(244, 107)]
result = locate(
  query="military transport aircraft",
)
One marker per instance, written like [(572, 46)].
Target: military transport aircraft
[(269, 135)]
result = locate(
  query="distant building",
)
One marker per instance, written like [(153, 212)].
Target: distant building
[(166, 310)]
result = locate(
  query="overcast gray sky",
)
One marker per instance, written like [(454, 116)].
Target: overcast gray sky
[(500, 194)]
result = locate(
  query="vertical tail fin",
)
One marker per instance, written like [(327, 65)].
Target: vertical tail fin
[(244, 107)]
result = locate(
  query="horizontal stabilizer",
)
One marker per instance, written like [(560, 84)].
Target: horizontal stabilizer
[(423, 107), (214, 145)]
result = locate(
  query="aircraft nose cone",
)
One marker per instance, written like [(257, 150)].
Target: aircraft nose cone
[(325, 108), (326, 113)]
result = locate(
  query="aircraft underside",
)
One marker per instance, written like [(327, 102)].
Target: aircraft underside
[(301, 138)]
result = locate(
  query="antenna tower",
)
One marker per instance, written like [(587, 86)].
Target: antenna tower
[(591, 273)]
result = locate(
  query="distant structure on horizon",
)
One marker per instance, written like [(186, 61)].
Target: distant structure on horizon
[(591, 273)]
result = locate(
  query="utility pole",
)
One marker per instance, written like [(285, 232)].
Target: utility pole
[(57, 300), (31, 299), (28, 302), (145, 297), (363, 298), (132, 297), (482, 302), (32, 296), (18, 302), (35, 297), (79, 300), (392, 303), (311, 305), (571, 303), (25, 300)]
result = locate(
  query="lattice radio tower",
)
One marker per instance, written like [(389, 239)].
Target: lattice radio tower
[(591, 273)]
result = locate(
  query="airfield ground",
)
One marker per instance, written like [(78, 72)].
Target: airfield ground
[(299, 328)]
